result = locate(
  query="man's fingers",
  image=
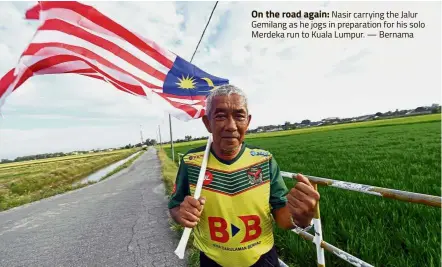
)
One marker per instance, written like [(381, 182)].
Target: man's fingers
[(190, 211), (194, 203), (304, 198), (190, 215), (187, 223), (300, 212), (294, 210), (310, 191), (302, 179), (301, 207)]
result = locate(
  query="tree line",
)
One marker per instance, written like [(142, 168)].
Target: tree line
[(148, 142)]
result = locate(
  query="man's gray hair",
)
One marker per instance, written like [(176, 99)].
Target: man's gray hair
[(222, 90)]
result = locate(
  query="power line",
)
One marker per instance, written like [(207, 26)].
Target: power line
[(203, 31)]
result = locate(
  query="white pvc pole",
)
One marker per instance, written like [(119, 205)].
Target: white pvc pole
[(318, 234), (186, 234)]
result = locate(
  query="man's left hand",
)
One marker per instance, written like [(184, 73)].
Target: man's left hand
[(302, 200)]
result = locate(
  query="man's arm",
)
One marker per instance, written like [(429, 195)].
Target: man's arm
[(183, 208), (278, 198), (180, 191), (282, 218), (296, 206), (174, 213), (187, 214)]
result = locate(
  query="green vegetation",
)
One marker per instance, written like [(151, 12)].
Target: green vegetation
[(168, 169), (70, 157), (25, 182), (403, 154)]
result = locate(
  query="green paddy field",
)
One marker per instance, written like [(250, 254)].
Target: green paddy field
[(28, 181), (403, 154)]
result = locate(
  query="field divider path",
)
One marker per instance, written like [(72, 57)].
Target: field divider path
[(120, 221)]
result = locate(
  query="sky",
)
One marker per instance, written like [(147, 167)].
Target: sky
[(284, 79)]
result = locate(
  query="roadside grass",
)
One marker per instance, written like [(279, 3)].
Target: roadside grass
[(70, 157), (25, 183), (169, 170)]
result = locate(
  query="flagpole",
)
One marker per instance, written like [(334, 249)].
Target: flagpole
[(181, 249)]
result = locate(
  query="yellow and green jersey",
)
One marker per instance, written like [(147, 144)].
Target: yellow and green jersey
[(235, 227)]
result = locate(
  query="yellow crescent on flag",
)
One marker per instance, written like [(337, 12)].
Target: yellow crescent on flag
[(209, 82)]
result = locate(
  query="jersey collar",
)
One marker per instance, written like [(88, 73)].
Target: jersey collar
[(229, 162)]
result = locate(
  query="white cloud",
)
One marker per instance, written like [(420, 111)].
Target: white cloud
[(290, 79)]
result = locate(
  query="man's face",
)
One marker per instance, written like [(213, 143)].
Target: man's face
[(228, 123)]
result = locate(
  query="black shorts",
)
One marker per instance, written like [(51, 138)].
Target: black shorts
[(270, 259)]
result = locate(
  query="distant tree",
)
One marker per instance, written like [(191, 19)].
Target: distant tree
[(419, 109), (378, 114), (150, 142), (188, 138), (305, 122), (436, 110), (286, 125)]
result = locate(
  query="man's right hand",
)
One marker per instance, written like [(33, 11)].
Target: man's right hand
[(190, 211)]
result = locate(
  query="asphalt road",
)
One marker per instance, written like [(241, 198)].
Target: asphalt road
[(121, 221)]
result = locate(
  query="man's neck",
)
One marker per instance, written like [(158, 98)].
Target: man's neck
[(227, 156)]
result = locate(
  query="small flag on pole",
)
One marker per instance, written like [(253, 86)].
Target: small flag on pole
[(76, 38)]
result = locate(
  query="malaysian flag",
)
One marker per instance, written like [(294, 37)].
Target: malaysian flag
[(77, 38)]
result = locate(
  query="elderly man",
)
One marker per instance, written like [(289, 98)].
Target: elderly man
[(243, 191)]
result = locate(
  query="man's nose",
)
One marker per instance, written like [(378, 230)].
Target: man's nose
[(231, 124)]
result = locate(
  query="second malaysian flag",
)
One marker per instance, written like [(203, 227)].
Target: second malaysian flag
[(77, 38)]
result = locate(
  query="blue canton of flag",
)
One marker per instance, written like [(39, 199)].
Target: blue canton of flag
[(186, 79)]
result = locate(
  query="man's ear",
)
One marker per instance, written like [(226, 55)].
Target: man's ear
[(207, 123), (248, 123)]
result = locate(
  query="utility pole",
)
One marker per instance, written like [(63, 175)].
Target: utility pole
[(159, 132), (157, 139), (171, 139), (141, 134)]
